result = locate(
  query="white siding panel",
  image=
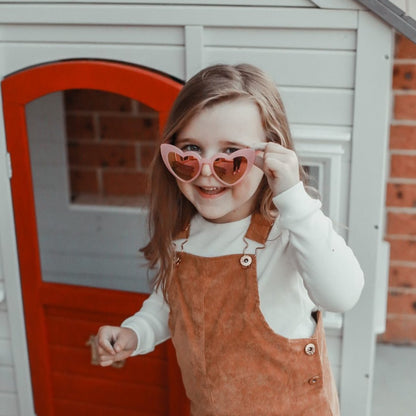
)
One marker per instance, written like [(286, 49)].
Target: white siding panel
[(94, 234), (281, 38), (168, 59), (7, 376), (339, 4), (334, 346), (4, 325), (137, 284), (6, 358), (194, 49), (299, 68), (94, 249), (8, 404), (330, 107), (286, 3), (46, 146), (7, 380), (100, 265), (45, 177), (144, 35), (179, 16)]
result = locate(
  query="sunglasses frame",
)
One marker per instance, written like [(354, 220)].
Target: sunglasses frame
[(248, 153)]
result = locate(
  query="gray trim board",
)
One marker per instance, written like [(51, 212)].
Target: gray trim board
[(393, 15)]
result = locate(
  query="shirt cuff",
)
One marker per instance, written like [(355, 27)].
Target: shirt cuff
[(129, 323)]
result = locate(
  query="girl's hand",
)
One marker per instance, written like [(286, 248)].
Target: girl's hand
[(115, 344), (281, 166)]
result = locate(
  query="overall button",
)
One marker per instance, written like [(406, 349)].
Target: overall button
[(310, 349), (313, 380), (246, 260)]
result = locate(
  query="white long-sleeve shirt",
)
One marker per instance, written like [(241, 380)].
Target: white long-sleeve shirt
[(304, 265)]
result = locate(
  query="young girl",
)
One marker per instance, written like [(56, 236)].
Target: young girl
[(245, 258)]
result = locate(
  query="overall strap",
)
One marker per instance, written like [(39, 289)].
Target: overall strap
[(259, 228), (184, 234)]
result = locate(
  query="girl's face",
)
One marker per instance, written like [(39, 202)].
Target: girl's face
[(223, 128)]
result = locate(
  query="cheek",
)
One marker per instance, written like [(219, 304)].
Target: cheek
[(250, 183), (183, 187), (254, 177)]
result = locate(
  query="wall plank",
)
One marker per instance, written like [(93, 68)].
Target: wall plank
[(298, 38), (8, 404), (7, 380), (4, 325), (295, 68), (6, 358)]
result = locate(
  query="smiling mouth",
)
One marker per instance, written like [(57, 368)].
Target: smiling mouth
[(211, 190)]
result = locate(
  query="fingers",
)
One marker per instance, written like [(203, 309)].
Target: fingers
[(126, 341), (105, 339), (115, 344), (280, 165), (107, 360)]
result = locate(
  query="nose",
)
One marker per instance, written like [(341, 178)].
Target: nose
[(206, 170)]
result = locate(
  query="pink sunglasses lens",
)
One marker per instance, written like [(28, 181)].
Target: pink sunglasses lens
[(230, 171), (184, 167)]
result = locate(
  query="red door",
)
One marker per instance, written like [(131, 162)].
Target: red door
[(60, 317)]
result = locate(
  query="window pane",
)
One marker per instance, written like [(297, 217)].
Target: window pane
[(110, 143)]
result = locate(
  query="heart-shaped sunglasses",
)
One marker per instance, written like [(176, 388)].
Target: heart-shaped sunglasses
[(229, 169)]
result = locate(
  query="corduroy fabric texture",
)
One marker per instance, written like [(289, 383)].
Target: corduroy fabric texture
[(232, 362)]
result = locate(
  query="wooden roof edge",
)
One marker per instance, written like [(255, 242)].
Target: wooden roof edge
[(393, 15)]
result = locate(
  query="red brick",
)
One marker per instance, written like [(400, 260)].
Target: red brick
[(401, 195), (94, 100), (400, 330), (147, 153), (401, 302), (402, 137), (80, 127), (84, 182), (124, 183), (129, 128), (403, 166), (401, 223), (404, 77), (402, 277), (101, 155), (405, 107), (405, 48), (402, 249)]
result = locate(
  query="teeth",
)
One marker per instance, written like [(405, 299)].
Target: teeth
[(211, 190)]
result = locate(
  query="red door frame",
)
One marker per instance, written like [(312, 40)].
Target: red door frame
[(156, 91)]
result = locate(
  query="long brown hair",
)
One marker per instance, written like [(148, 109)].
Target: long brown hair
[(170, 212)]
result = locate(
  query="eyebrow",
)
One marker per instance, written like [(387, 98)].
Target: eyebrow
[(221, 143)]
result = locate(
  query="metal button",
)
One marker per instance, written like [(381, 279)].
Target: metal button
[(246, 260), (310, 349), (313, 380)]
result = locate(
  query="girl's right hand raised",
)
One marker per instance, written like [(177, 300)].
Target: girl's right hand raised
[(115, 344)]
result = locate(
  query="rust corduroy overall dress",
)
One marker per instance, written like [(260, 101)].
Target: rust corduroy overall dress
[(232, 362)]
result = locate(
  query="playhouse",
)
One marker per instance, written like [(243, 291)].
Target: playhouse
[(85, 88)]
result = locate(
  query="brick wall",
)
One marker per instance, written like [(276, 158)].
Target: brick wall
[(401, 199), (110, 143)]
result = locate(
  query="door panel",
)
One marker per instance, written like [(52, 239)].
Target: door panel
[(64, 249), (140, 386)]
